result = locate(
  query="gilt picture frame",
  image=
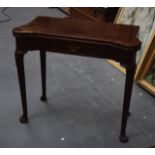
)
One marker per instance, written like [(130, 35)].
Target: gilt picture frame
[(146, 76), (145, 18)]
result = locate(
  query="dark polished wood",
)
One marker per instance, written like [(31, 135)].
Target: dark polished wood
[(130, 71), (43, 74), (19, 57), (78, 37)]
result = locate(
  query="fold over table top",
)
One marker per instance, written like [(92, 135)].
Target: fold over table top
[(75, 29)]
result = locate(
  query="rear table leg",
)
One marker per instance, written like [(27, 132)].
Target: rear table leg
[(43, 74)]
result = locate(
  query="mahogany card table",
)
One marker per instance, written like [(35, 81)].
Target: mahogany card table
[(77, 37)]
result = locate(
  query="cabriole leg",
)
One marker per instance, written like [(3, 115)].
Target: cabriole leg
[(19, 57), (130, 71)]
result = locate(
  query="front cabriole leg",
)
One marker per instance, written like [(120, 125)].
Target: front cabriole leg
[(19, 58), (130, 71)]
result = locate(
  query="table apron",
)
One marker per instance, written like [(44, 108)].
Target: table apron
[(79, 48)]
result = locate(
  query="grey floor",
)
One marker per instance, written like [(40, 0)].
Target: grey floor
[(84, 98)]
